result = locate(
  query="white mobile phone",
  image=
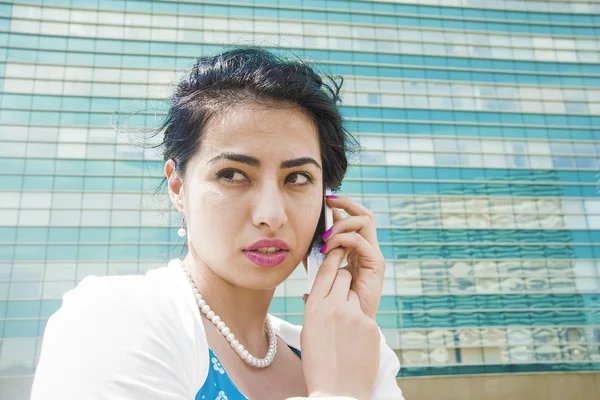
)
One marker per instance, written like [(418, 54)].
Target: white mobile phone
[(315, 258)]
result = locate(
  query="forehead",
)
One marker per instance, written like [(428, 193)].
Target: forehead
[(277, 132)]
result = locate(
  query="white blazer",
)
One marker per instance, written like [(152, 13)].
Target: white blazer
[(142, 337)]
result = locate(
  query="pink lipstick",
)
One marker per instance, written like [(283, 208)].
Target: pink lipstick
[(267, 252)]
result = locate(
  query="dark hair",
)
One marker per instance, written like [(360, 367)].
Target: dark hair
[(255, 75)]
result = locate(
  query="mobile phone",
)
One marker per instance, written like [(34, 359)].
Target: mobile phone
[(315, 258)]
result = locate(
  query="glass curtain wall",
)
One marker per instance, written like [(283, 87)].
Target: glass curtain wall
[(480, 127)]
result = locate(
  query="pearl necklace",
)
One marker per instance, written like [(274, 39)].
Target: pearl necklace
[(229, 336)]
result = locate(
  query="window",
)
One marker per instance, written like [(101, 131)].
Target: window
[(125, 218), (18, 349), (575, 221), (83, 16), (167, 21), (36, 200), (126, 201), (24, 290), (374, 99), (71, 150), (65, 218), (56, 290), (95, 218), (34, 217)]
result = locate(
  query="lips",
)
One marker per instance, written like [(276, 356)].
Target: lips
[(266, 260), (268, 243), (267, 252)]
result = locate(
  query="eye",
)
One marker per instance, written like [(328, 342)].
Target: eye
[(232, 175), (298, 178)]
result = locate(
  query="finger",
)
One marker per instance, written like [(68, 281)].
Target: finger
[(326, 274), (368, 230), (353, 298), (305, 297), (337, 216), (350, 206), (351, 240), (361, 224), (341, 285)]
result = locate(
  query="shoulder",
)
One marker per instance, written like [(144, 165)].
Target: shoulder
[(135, 332), (106, 291), (151, 311), (128, 292), (122, 300), (290, 333), (162, 289)]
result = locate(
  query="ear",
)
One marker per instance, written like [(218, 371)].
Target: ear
[(174, 184), (305, 263)]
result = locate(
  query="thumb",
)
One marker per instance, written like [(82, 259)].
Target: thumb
[(305, 297)]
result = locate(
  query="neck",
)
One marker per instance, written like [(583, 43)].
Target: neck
[(243, 310)]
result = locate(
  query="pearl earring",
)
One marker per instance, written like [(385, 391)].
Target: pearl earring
[(181, 231)]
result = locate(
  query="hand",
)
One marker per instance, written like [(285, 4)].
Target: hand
[(340, 344), (366, 263)]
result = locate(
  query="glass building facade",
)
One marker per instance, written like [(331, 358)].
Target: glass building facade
[(481, 133)]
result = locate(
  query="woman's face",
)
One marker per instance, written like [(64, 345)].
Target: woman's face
[(257, 176)]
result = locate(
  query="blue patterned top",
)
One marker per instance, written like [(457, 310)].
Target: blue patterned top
[(218, 385)]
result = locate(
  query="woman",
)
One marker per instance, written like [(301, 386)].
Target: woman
[(250, 142)]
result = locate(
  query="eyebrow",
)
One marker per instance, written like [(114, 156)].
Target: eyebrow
[(255, 162)]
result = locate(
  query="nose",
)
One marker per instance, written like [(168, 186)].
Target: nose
[(269, 210)]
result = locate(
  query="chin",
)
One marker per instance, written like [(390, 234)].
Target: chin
[(264, 278), (257, 282)]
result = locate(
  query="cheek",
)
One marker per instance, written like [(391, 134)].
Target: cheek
[(306, 216), (213, 213)]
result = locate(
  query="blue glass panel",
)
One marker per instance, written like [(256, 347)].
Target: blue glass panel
[(8, 234), (23, 309), (68, 183), (103, 103), (80, 44), (190, 9), (155, 235), (21, 328), (491, 251), (38, 182), (142, 6), (125, 234), (73, 103), (24, 41), (5, 10), (153, 252), (172, 48), (31, 234), (91, 252), (216, 10), (4, 23), (95, 235), (98, 183), (62, 252), (415, 16), (124, 252), (72, 58), (496, 369), (165, 7), (487, 235), (63, 234), (109, 46), (124, 183), (69, 166)]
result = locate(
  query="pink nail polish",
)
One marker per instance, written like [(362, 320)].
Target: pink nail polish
[(332, 196), (326, 234), (323, 248)]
